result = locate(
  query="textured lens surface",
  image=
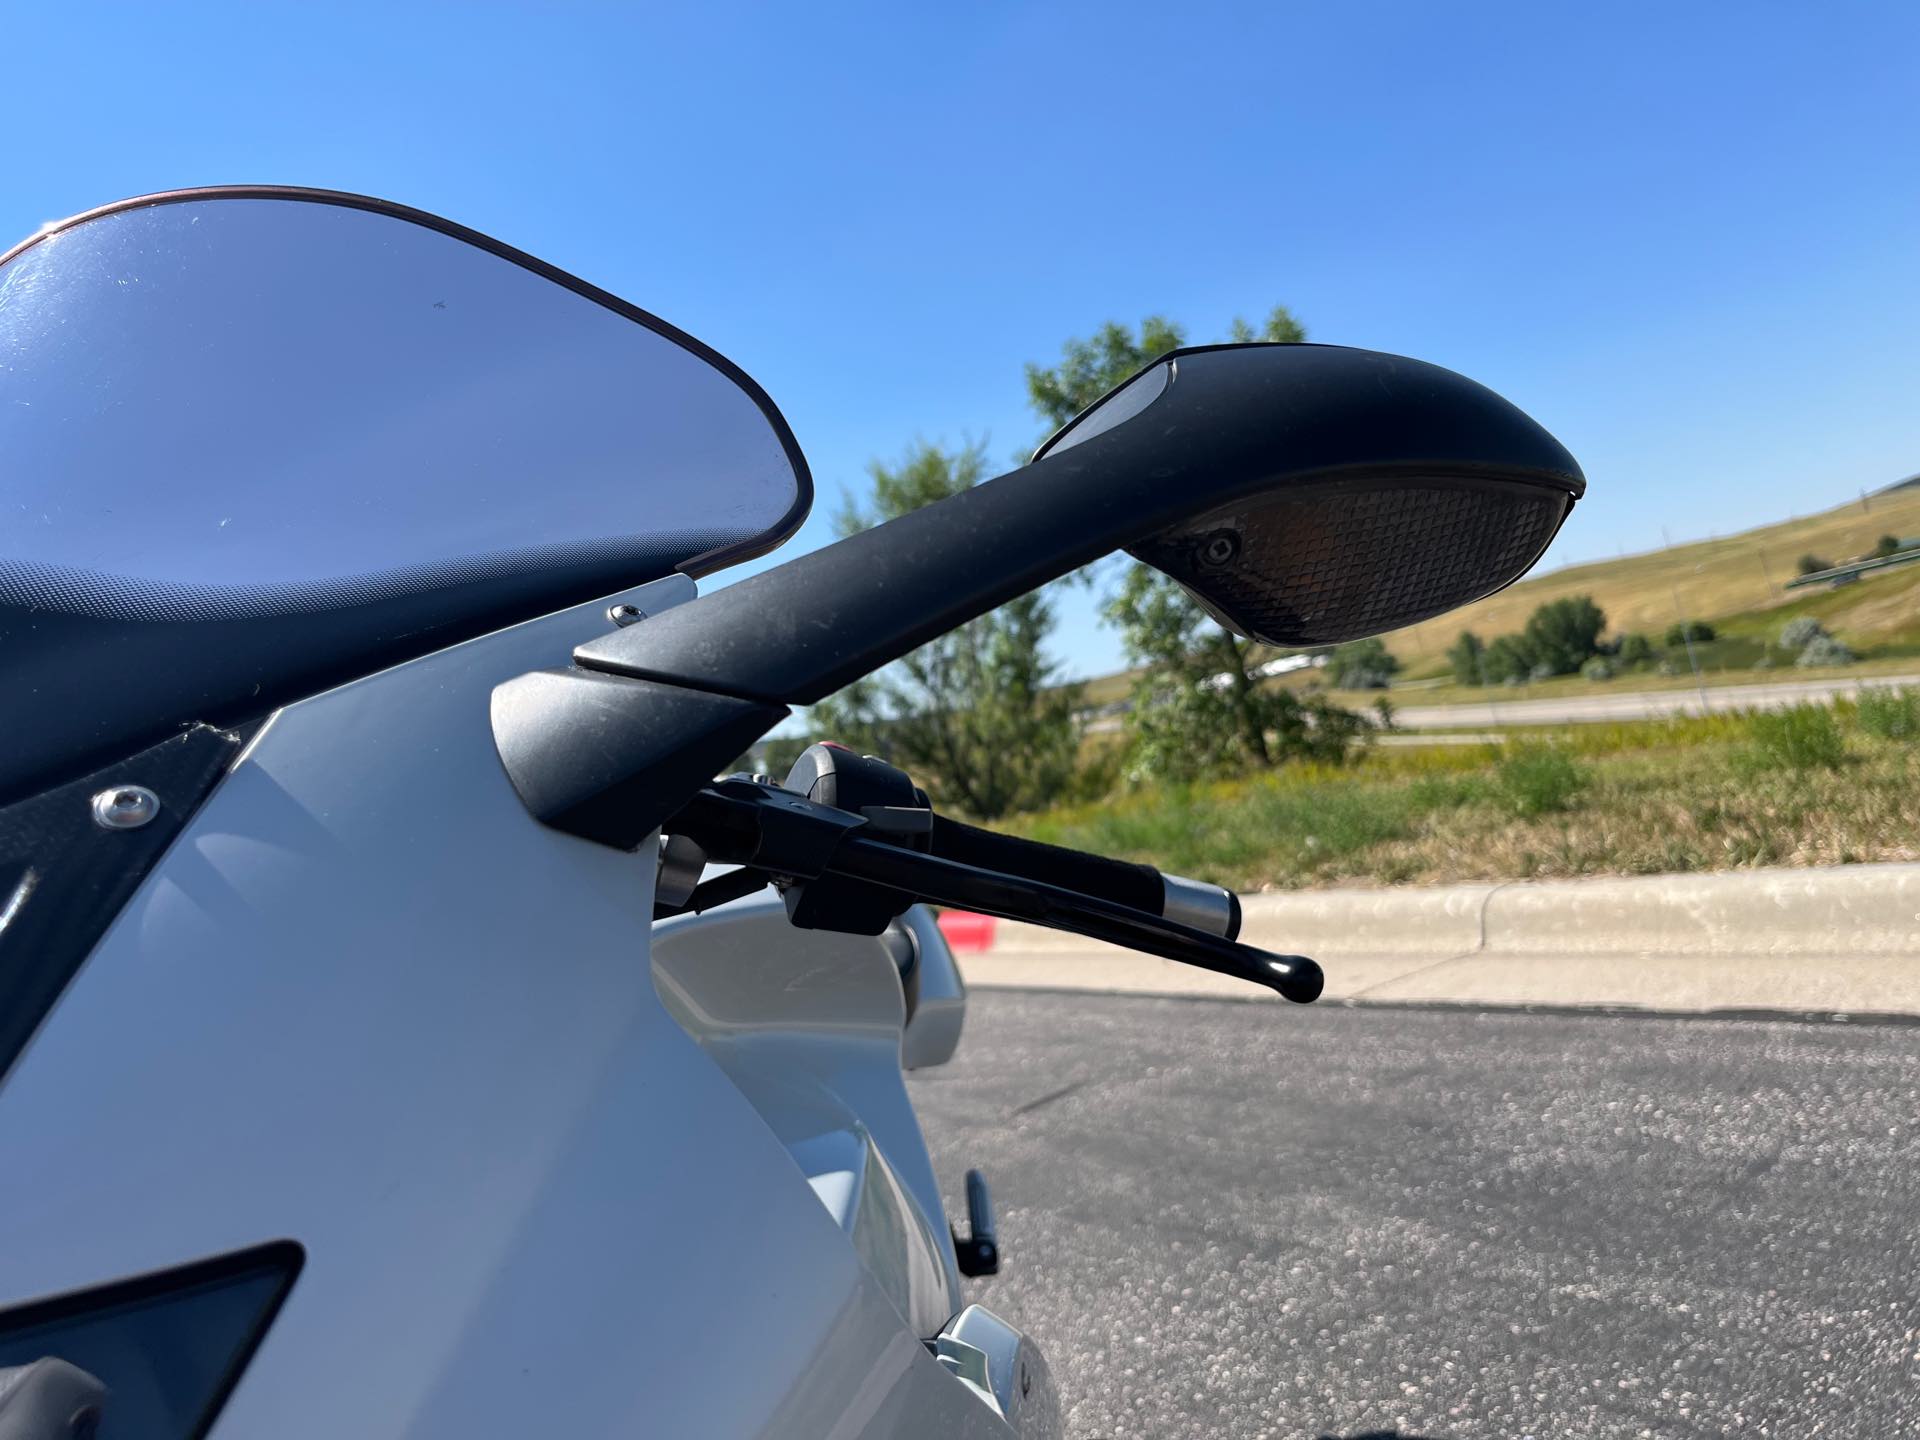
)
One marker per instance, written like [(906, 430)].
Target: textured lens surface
[(1335, 564)]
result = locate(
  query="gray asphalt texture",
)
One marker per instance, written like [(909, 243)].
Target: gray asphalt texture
[(1244, 1220)]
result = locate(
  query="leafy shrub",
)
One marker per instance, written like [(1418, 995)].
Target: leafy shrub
[(1320, 731), (1813, 564), (1800, 737), (1598, 668), (1362, 665), (1508, 660), (1800, 631), (1683, 631), (1635, 649), (1099, 773), (1888, 545), (1542, 670), (1383, 713), (1538, 779), (1562, 633), (1890, 714), (1825, 650), (1467, 656), (1181, 732)]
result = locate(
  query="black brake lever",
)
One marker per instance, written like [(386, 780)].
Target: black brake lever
[(794, 840), (1014, 897)]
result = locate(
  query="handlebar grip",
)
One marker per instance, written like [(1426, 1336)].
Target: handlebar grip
[(1139, 887)]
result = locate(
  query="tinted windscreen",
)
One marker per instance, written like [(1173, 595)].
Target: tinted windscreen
[(229, 407), (377, 434)]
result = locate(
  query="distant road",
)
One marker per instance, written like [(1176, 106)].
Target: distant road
[(1635, 705), (1588, 709)]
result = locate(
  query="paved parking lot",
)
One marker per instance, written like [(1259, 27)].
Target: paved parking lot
[(1246, 1220)]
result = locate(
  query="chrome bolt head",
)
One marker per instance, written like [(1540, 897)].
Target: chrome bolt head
[(624, 615), (125, 807)]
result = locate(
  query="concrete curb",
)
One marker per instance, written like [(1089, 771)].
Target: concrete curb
[(1835, 939)]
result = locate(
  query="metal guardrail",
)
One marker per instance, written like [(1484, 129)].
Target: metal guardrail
[(1840, 573)]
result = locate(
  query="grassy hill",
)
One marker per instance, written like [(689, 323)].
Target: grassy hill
[(1732, 581)]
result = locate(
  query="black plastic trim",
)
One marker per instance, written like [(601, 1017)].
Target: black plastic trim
[(63, 879), (286, 1257), (609, 759), (698, 565)]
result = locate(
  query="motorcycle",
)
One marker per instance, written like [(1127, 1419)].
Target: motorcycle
[(403, 1031)]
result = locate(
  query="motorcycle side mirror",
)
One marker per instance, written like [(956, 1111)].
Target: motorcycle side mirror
[(1379, 491), (1306, 494)]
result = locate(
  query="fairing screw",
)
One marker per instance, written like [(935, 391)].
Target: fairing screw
[(125, 807), (1219, 548), (624, 615)]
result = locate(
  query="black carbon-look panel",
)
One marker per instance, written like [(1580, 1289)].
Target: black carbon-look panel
[(63, 878)]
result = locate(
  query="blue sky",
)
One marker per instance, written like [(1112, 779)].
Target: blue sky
[(1685, 237)]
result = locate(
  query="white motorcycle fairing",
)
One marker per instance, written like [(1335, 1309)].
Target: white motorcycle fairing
[(367, 1003)]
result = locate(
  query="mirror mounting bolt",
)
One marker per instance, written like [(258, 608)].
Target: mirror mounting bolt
[(1220, 548)]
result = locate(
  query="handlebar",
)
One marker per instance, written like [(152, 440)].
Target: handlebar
[(854, 871)]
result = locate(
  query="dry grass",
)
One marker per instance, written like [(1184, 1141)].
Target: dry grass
[(1715, 579)]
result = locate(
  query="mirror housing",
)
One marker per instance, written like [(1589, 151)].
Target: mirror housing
[(1447, 492), (1306, 494)]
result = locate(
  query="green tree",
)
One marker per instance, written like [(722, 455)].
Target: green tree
[(1509, 660), (1199, 706), (1682, 631), (1362, 665), (1635, 649), (977, 716), (1467, 657), (1811, 564), (1564, 633)]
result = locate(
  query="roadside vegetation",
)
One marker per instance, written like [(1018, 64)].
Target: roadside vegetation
[(1812, 785)]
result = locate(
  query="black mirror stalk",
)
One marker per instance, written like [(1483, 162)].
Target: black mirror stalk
[(1327, 436), (1306, 494)]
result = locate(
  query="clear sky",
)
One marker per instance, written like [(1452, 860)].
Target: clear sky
[(1684, 237)]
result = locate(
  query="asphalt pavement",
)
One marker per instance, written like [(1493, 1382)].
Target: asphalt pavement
[(1232, 1220)]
